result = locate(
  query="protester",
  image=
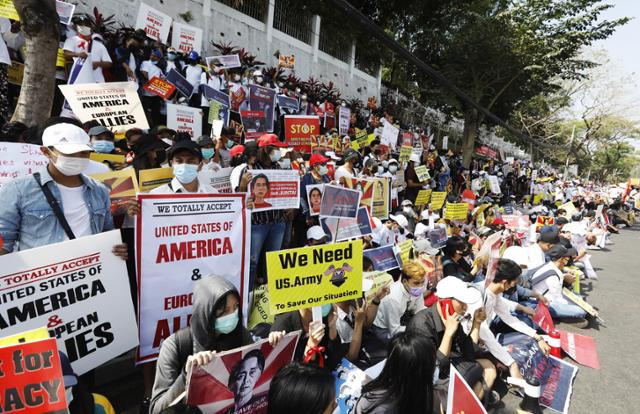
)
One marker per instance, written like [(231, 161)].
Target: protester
[(301, 388)]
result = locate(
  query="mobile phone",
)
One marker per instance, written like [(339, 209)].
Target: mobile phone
[(446, 305)]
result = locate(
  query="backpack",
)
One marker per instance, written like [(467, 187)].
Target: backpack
[(527, 281)]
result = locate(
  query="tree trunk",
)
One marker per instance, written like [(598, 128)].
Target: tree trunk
[(40, 24), (469, 133)]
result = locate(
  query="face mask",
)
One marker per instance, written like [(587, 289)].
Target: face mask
[(259, 79), (154, 62), (229, 144), (326, 310), (70, 166), (207, 153), (323, 170), (380, 169), (511, 290), (171, 56), (245, 82), (84, 30), (300, 160), (416, 292), (407, 209), (393, 169), (103, 147), (236, 78), (227, 323), (185, 173), (285, 163), (68, 393), (275, 156)]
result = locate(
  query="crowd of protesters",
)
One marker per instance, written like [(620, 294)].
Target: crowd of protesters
[(440, 309)]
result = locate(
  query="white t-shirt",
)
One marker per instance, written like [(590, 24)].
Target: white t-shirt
[(193, 74), (75, 210), (342, 171), (152, 70), (99, 53)]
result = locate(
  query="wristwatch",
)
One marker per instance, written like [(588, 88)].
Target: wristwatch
[(376, 301)]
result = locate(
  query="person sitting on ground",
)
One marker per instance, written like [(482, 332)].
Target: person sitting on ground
[(537, 251), (302, 388), (453, 262)]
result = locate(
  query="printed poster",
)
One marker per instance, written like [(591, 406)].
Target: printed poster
[(423, 197), (224, 61), (65, 11), (343, 228), (122, 185), (300, 131), (160, 87), (314, 198), (8, 10), (220, 98), (218, 179), (456, 211), (288, 104), (185, 38), (422, 172), (183, 118), (339, 202), (286, 61), (181, 83), (378, 280), (389, 135), (381, 202), (275, 189), (155, 23), (263, 99), (349, 380), (19, 159), (437, 199), (154, 177), (181, 238), (383, 258), (344, 120), (254, 123)]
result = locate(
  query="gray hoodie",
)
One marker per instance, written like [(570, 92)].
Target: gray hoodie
[(200, 335)]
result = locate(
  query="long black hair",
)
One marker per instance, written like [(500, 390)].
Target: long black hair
[(301, 388), (407, 377)]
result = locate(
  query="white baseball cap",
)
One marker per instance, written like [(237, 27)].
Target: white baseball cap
[(452, 287), (414, 157), (400, 219), (315, 233), (517, 254), (66, 138)]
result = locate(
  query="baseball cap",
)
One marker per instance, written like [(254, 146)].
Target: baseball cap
[(270, 140), (204, 140), (315, 233), (350, 153), (171, 50), (400, 219), (549, 237), (317, 159), (66, 138), (236, 150), (452, 287), (186, 145), (407, 203), (424, 246), (558, 251), (97, 130), (194, 55), (497, 222), (561, 221), (68, 376), (517, 254)]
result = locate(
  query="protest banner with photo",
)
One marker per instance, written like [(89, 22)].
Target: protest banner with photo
[(460, 396), (254, 123), (115, 105), (65, 12), (182, 118), (381, 202), (581, 348), (275, 189), (313, 276), (423, 197), (314, 198), (219, 179), (422, 172), (341, 229), (339, 202), (238, 381), (438, 237), (185, 38), (494, 184), (8, 10), (344, 120), (288, 103), (154, 177), (224, 61), (389, 136), (299, 130), (383, 258), (456, 211), (221, 98), (155, 23), (181, 83), (542, 221), (286, 62), (437, 199), (263, 99), (349, 380), (181, 238), (160, 87), (543, 319), (79, 290), (123, 186), (365, 187), (19, 160), (378, 279), (32, 378)]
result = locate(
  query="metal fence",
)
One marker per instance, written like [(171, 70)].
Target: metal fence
[(365, 61), (252, 8), (334, 41), (294, 22)]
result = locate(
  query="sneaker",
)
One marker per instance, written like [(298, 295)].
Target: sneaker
[(580, 323), (593, 248)]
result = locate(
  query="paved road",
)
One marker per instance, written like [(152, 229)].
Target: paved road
[(613, 388)]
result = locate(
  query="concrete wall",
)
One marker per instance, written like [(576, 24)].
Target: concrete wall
[(222, 23)]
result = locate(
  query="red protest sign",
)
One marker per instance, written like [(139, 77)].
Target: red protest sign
[(31, 378), (470, 198), (543, 318), (160, 87), (461, 398), (300, 130), (581, 348)]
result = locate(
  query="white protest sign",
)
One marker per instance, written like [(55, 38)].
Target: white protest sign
[(79, 290), (495, 185), (65, 11), (218, 179), (275, 189), (344, 120), (155, 23), (115, 105), (185, 38), (17, 160), (389, 135), (224, 61), (181, 238), (182, 118)]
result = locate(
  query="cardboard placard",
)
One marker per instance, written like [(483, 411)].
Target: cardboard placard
[(437, 199), (154, 177), (160, 87), (155, 23)]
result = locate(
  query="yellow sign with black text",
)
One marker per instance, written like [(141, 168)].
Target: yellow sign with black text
[(457, 211), (423, 197), (437, 199)]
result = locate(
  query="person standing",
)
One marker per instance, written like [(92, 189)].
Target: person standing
[(85, 46)]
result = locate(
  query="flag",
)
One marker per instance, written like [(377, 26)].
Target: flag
[(461, 398)]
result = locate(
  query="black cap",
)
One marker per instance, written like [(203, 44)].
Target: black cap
[(350, 153), (251, 148), (558, 251), (561, 221), (148, 143), (549, 237), (184, 145)]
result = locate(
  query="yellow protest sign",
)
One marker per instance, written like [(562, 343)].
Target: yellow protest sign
[(569, 208), (155, 177), (405, 154), (423, 197), (379, 279), (313, 276), (537, 198), (405, 250), (60, 60), (579, 301), (526, 198), (456, 211), (437, 199), (8, 10), (26, 336), (115, 158), (259, 312)]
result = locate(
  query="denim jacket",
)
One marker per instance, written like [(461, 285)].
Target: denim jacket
[(27, 220)]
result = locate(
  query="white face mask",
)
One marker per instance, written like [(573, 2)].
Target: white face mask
[(393, 169), (84, 30), (70, 166), (407, 209)]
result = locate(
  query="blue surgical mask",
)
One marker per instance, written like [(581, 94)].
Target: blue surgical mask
[(275, 156), (154, 62), (323, 170), (326, 309), (104, 147), (208, 153), (229, 144), (185, 173), (227, 323), (171, 56)]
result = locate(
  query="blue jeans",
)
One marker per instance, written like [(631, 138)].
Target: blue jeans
[(570, 311), (264, 238)]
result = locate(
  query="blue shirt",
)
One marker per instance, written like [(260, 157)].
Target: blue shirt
[(27, 220)]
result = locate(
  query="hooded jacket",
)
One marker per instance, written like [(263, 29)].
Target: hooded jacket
[(199, 336)]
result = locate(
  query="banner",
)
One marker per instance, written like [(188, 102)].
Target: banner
[(182, 118), (32, 378), (405, 155), (389, 135), (288, 103), (314, 198), (181, 83), (220, 179), (423, 197), (238, 381), (155, 23), (185, 38), (263, 99), (383, 258), (339, 202), (181, 238), (300, 130), (422, 172), (154, 177), (19, 160), (79, 290), (286, 62), (224, 61), (160, 87), (581, 348), (313, 276), (460, 396), (437, 199), (343, 228), (543, 319), (114, 105), (65, 12), (344, 120), (349, 380), (123, 186), (381, 202), (254, 123), (275, 189), (8, 10), (456, 211)]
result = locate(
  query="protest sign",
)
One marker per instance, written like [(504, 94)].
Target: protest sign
[(437, 199), (383, 258), (378, 279), (254, 123), (275, 189), (263, 99), (26, 336), (79, 289), (259, 312), (460, 396), (543, 319), (299, 131), (542, 221), (181, 83), (160, 87), (403, 251), (389, 135), (107, 158), (361, 139), (347, 228), (365, 187), (185, 38), (19, 159), (65, 12), (114, 105), (238, 381), (339, 202), (468, 197), (344, 119), (423, 197), (456, 211), (349, 380), (313, 276), (438, 237), (182, 118), (422, 172), (224, 61), (569, 208), (123, 186), (221, 98), (8, 10), (537, 198), (32, 378), (579, 301), (181, 238), (381, 201), (405, 154), (288, 103), (314, 198), (218, 179), (581, 348), (494, 184), (15, 73), (286, 62), (155, 23), (154, 177)]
